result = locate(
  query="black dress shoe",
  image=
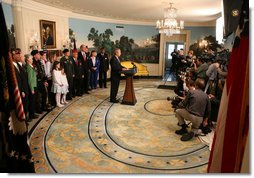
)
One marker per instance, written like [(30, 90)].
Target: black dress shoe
[(187, 136), (39, 112), (29, 120), (181, 131), (114, 101), (68, 98), (46, 109), (35, 116)]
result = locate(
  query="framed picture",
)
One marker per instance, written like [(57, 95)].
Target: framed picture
[(48, 34)]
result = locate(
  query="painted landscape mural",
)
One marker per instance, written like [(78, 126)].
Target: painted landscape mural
[(137, 42)]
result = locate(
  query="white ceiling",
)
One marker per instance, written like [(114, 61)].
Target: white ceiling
[(141, 10)]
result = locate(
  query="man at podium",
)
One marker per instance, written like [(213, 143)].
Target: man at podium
[(116, 67)]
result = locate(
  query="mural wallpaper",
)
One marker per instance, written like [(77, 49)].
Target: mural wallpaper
[(10, 24), (137, 42)]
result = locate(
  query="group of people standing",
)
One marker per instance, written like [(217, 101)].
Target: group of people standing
[(45, 83), (82, 70)]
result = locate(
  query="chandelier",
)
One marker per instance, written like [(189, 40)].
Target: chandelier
[(169, 26)]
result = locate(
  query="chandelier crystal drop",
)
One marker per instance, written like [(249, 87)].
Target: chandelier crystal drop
[(169, 25)]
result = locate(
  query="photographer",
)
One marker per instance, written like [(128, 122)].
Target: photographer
[(197, 109), (174, 55), (190, 58), (215, 100), (182, 61), (200, 68), (216, 71), (188, 85)]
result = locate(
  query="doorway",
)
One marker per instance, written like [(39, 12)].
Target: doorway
[(170, 47)]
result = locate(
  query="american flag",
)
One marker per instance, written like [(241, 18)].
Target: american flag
[(230, 139), (12, 90)]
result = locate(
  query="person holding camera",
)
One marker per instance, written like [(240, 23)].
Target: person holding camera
[(200, 67), (174, 61), (176, 101), (197, 109)]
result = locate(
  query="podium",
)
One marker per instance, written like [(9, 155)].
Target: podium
[(129, 97)]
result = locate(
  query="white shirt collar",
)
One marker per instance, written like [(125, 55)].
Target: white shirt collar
[(16, 65)]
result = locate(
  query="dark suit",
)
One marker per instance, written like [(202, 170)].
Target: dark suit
[(25, 88), (67, 65), (41, 88), (22, 80), (19, 81), (94, 73), (89, 73), (84, 61), (79, 76), (104, 66), (116, 67)]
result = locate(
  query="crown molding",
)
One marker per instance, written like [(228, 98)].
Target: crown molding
[(108, 20), (46, 9), (200, 24), (39, 7)]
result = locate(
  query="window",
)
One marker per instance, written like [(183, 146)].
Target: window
[(171, 48)]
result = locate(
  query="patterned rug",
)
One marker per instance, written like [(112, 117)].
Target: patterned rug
[(92, 135)]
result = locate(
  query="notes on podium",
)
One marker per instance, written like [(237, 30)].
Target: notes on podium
[(129, 97)]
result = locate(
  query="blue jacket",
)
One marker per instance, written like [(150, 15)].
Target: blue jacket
[(97, 64)]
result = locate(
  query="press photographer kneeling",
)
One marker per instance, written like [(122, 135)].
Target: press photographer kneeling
[(197, 109), (176, 101)]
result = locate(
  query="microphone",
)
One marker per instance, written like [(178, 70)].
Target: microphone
[(134, 67)]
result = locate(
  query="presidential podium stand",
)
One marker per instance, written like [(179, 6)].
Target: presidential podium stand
[(129, 97)]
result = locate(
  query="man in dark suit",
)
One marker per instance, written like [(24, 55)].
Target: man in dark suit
[(22, 79), (41, 82), (67, 65), (104, 66), (116, 67), (82, 56), (79, 73), (88, 55), (16, 59)]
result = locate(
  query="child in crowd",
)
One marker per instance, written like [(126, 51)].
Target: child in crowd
[(58, 85), (64, 87)]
